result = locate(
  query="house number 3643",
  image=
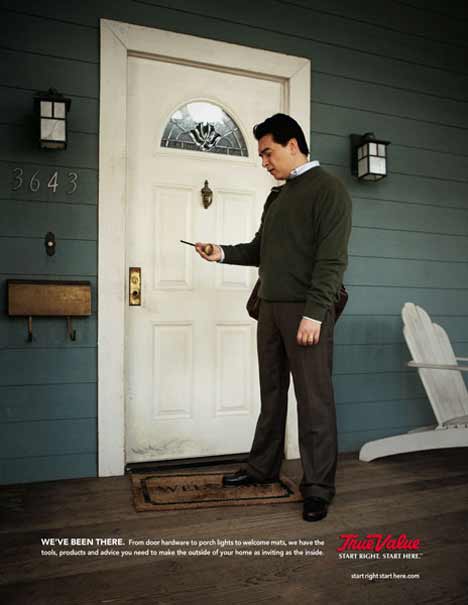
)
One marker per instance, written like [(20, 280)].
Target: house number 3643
[(33, 182)]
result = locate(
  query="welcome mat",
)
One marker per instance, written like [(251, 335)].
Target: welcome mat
[(153, 491)]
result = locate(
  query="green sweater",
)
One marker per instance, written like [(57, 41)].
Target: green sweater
[(301, 244)]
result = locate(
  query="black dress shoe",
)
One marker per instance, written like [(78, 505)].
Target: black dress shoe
[(240, 477), (315, 508)]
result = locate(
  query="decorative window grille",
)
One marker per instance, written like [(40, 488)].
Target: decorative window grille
[(204, 126)]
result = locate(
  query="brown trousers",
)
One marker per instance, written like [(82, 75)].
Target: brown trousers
[(311, 368)]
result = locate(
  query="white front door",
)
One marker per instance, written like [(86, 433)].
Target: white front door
[(191, 362)]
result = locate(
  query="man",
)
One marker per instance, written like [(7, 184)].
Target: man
[(301, 251)]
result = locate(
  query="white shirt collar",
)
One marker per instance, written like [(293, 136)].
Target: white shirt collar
[(303, 168)]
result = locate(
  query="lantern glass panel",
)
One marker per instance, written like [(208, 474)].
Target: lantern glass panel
[(59, 110), (377, 165), (46, 109), (59, 131), (52, 130), (363, 167), (372, 149), (381, 150), (47, 127)]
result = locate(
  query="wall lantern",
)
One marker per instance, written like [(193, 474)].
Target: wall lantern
[(52, 108), (368, 157)]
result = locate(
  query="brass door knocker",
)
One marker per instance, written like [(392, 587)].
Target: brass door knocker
[(207, 195)]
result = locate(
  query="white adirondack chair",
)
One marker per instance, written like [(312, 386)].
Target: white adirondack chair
[(441, 376)]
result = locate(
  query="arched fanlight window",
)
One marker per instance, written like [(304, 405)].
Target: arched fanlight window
[(204, 126)]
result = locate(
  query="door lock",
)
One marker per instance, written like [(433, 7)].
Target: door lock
[(134, 287)]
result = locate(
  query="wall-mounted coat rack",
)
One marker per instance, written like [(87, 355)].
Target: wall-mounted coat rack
[(47, 298)]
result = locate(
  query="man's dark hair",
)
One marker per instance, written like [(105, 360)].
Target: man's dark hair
[(282, 128)]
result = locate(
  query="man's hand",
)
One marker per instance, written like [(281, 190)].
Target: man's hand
[(214, 256), (308, 332)]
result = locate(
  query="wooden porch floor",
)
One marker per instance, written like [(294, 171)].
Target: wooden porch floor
[(423, 495)]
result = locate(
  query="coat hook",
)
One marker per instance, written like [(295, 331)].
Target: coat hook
[(71, 332), (30, 333)]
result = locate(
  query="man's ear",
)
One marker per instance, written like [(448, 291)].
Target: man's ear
[(293, 146)]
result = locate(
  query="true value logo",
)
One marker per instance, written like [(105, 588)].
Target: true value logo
[(370, 547)]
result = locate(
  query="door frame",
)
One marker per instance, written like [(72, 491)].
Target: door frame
[(118, 40)]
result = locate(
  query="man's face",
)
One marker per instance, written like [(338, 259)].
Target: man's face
[(278, 160)]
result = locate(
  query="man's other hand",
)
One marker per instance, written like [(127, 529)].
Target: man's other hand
[(308, 333)]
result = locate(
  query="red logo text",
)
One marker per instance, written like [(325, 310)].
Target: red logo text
[(377, 542)]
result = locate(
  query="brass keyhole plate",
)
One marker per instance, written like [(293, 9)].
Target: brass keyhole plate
[(134, 287)]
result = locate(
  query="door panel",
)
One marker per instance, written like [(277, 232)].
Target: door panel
[(191, 364)]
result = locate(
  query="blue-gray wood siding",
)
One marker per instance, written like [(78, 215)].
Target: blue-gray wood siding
[(396, 68)]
